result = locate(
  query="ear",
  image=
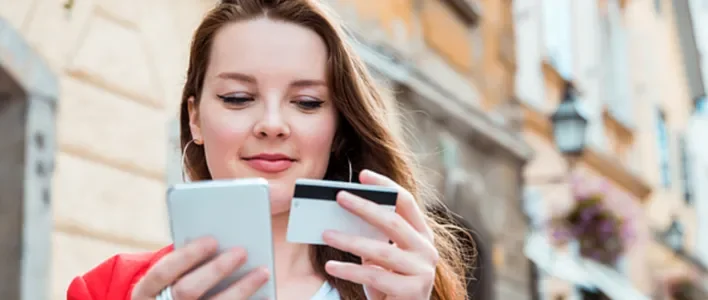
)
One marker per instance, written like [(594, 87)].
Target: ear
[(194, 121)]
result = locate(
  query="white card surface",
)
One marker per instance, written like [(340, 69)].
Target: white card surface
[(314, 210)]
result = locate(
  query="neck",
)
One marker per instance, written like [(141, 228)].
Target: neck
[(291, 260)]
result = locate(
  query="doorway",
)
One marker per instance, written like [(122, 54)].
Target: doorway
[(28, 99), (12, 171)]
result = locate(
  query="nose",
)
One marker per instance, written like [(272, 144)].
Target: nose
[(272, 124)]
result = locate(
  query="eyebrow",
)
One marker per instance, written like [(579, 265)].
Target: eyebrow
[(252, 80), (237, 77)]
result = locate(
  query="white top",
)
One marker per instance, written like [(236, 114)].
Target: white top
[(326, 292)]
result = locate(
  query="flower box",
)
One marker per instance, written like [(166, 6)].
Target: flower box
[(602, 233)]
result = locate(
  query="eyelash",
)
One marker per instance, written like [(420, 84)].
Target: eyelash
[(243, 100), (309, 104), (236, 100)]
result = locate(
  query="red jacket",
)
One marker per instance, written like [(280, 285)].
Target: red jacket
[(114, 278)]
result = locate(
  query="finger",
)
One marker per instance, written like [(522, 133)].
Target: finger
[(391, 223), (387, 282), (377, 252), (246, 286), (406, 205), (196, 283), (171, 267)]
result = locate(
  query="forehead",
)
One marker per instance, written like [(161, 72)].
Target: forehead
[(267, 47)]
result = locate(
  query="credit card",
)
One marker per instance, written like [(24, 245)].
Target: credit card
[(314, 209)]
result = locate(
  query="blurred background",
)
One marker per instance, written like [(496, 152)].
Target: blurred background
[(565, 134)]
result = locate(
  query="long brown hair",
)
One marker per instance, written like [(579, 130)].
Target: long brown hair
[(362, 134)]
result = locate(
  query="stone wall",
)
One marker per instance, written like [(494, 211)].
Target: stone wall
[(120, 67)]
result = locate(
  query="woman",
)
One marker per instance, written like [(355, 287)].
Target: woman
[(273, 90)]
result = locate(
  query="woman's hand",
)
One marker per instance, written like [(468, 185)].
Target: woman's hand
[(177, 270), (404, 270)]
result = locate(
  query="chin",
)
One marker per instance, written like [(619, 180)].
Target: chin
[(281, 194)]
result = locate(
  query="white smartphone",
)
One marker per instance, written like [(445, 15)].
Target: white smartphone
[(234, 212), (314, 210)]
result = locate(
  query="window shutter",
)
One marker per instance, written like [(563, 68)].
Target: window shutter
[(529, 83), (686, 172)]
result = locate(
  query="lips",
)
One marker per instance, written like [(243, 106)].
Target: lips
[(269, 162)]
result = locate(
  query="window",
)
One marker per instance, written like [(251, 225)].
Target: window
[(662, 133), (558, 40), (686, 171), (529, 84), (617, 93)]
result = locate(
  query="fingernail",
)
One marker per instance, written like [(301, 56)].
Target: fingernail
[(333, 265), (263, 274), (371, 173), (367, 172)]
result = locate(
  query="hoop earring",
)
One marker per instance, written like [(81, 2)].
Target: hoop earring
[(183, 160), (351, 173)]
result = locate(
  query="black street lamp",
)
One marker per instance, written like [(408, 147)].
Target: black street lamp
[(569, 130), (570, 123), (674, 236)]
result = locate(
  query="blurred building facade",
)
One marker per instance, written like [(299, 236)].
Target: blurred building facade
[(634, 63), (670, 80), (586, 42), (99, 83)]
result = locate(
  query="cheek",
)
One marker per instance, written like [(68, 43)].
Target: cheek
[(316, 140), (225, 130), (224, 134)]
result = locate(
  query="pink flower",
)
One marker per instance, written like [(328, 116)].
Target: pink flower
[(606, 227), (589, 213), (560, 234)]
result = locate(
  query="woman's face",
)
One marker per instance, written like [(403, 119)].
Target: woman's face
[(266, 110)]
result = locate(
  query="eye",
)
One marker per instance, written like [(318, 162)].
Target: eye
[(236, 100), (309, 104)]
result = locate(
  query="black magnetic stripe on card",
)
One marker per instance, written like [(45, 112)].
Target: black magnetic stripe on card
[(330, 193)]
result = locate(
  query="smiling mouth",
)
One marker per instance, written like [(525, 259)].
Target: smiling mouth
[(269, 163)]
